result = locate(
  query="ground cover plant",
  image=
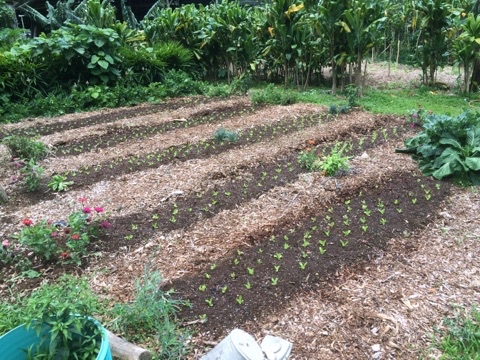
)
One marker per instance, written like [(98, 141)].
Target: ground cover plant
[(227, 224)]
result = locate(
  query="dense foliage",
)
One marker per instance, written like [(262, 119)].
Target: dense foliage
[(289, 41), (449, 147)]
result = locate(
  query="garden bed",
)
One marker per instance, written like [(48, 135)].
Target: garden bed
[(241, 229)]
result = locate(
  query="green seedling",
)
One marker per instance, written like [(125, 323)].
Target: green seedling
[(322, 250), (344, 243), (250, 271), (302, 265), (239, 299), (202, 287), (322, 242), (347, 232), (233, 275), (224, 289), (209, 302), (278, 256), (277, 267), (207, 276), (248, 285), (364, 228), (383, 221), (213, 266), (274, 281), (286, 246)]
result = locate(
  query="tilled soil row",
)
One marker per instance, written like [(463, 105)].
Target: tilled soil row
[(46, 126), (148, 189)]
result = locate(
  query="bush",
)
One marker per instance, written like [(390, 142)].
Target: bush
[(274, 95), (25, 148), (448, 147), (152, 313), (226, 135)]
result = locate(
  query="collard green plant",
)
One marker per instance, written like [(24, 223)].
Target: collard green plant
[(448, 147)]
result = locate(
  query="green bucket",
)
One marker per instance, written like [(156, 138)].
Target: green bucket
[(15, 344)]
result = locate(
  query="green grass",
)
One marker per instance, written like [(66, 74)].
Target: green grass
[(397, 101), (460, 339)]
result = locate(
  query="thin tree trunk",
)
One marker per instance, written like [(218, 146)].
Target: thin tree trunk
[(398, 49), (475, 79)]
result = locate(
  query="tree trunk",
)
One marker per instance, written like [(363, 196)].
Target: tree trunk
[(475, 79), (123, 350)]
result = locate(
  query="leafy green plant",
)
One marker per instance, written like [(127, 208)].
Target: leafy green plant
[(65, 308), (460, 336), (25, 148), (309, 160), (65, 241), (273, 95), (59, 183), (226, 135), (448, 147), (335, 161), (32, 175)]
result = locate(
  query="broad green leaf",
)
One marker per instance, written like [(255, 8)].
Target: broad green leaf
[(450, 141), (109, 59), (103, 64), (473, 137), (94, 59), (100, 42), (473, 163), (445, 170)]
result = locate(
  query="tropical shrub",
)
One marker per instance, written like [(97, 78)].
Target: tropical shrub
[(448, 147)]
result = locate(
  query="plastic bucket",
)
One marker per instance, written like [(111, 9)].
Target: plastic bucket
[(15, 344)]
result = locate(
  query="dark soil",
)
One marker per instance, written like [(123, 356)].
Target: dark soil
[(105, 118), (406, 210)]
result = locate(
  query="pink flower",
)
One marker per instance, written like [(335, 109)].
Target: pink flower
[(5, 243), (75, 236), (54, 234), (67, 230), (415, 115), (27, 222), (87, 210), (98, 209), (64, 255), (49, 222), (83, 200), (105, 225)]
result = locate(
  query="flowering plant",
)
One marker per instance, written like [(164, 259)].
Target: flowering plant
[(66, 241)]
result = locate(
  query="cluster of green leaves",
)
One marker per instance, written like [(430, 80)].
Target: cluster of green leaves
[(152, 314), (66, 241), (65, 310), (335, 161), (223, 134), (460, 336), (330, 164), (25, 148), (274, 95), (448, 147)]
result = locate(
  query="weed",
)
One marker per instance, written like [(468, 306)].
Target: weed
[(226, 135), (154, 312)]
